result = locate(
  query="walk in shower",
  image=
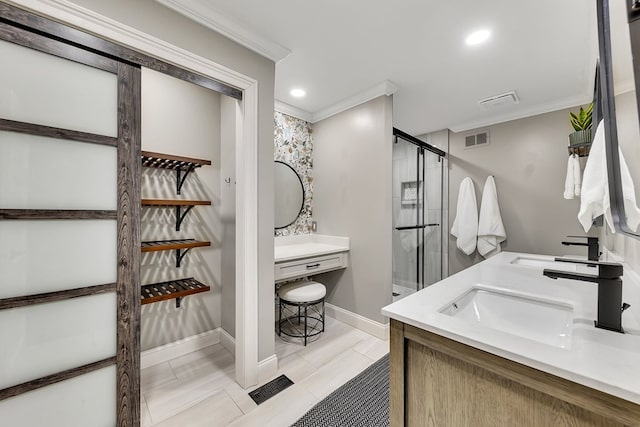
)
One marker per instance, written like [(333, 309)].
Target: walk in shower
[(419, 213)]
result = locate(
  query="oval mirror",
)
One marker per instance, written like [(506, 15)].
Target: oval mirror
[(289, 195)]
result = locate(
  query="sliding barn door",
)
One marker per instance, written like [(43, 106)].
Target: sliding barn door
[(69, 235)]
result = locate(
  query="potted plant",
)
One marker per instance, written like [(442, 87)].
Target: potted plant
[(581, 123)]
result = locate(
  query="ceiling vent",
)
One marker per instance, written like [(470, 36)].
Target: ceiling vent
[(500, 101), (476, 140)]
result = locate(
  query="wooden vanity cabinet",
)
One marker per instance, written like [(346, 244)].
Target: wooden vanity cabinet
[(439, 382)]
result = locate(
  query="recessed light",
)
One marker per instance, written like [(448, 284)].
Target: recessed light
[(298, 93), (477, 37)]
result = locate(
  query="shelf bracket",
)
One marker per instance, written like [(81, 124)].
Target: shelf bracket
[(181, 216), (180, 178), (178, 302), (180, 256)]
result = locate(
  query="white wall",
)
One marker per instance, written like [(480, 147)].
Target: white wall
[(182, 119), (528, 159), (158, 21), (352, 197)]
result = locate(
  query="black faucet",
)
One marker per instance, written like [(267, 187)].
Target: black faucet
[(592, 243), (609, 280)]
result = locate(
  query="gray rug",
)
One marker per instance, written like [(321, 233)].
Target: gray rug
[(363, 401)]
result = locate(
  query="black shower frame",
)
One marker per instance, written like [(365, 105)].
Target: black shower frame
[(420, 225)]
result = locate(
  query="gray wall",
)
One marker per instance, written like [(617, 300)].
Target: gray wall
[(352, 168), (158, 21), (174, 110), (528, 159)]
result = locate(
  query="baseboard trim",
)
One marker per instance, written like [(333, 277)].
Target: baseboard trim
[(227, 341), (267, 369), (377, 329), (179, 348)]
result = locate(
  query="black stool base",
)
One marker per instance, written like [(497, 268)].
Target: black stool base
[(303, 316)]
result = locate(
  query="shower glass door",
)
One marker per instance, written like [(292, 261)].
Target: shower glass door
[(417, 214)]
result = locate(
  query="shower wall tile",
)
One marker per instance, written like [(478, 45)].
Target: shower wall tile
[(293, 144)]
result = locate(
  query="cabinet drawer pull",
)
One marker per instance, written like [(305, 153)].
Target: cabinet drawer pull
[(309, 267)]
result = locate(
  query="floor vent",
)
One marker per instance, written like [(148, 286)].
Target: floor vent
[(270, 389), (475, 140)]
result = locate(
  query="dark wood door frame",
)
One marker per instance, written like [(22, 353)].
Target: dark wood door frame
[(127, 216), (126, 62)]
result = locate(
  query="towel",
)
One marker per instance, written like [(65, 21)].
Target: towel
[(573, 181), (595, 184), (577, 175), (490, 228), (465, 225), (595, 187)]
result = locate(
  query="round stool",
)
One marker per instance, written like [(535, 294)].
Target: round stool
[(306, 296)]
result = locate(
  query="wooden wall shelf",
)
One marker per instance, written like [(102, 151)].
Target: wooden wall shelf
[(177, 245), (168, 161), (173, 289), (167, 245), (182, 165), (169, 202), (582, 150), (178, 204)]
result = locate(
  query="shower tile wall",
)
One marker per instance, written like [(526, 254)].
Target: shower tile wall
[(293, 144)]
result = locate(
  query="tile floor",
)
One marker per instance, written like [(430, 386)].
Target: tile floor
[(198, 389)]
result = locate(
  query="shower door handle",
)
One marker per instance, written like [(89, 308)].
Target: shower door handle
[(416, 227)]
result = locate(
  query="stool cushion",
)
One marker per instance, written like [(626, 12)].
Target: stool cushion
[(302, 291)]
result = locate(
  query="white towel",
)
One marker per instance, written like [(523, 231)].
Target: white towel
[(490, 228), (595, 187), (573, 181), (577, 175), (465, 225), (595, 184), (569, 181)]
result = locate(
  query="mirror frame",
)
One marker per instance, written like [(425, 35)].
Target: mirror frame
[(607, 103), (303, 195)]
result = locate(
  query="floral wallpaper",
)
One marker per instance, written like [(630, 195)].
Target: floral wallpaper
[(293, 144)]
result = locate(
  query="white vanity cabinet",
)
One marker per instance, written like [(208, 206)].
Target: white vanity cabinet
[(309, 254)]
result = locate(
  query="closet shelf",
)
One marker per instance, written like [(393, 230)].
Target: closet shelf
[(167, 245), (182, 165), (173, 289), (178, 204), (168, 161), (181, 247), (169, 202)]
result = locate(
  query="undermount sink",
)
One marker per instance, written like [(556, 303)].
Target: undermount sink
[(542, 263), (538, 319)]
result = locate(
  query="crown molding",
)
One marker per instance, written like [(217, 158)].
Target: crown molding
[(548, 108), (384, 88), (290, 110), (213, 19)]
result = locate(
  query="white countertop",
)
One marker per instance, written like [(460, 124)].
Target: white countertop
[(603, 360), (301, 246)]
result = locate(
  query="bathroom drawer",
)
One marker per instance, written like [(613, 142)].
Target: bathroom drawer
[(309, 266)]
